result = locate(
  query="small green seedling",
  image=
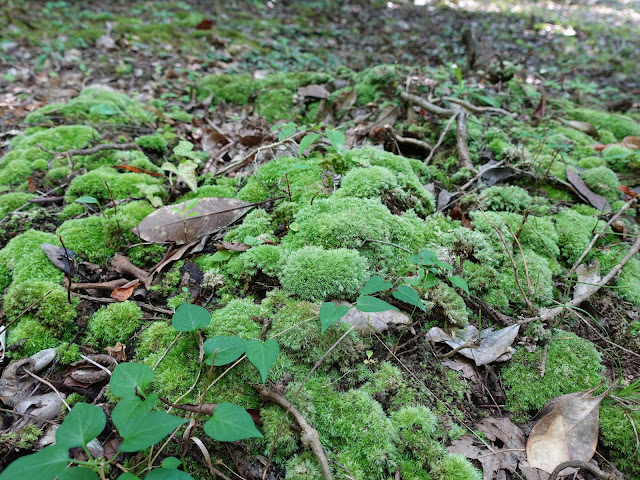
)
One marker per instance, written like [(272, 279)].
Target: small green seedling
[(187, 213)]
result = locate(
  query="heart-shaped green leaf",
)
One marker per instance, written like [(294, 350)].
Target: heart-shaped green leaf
[(149, 430), (375, 284), (227, 349), (129, 408), (126, 377), (365, 303), (78, 473), (128, 476), (263, 355), (171, 462), (46, 464), (81, 425), (307, 141), (406, 294), (167, 474), (184, 149), (230, 423), (424, 257), (87, 199), (330, 313), (337, 138), (189, 318), (458, 281)]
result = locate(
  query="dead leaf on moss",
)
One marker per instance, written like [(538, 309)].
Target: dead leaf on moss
[(124, 292), (567, 430), (314, 91), (583, 127), (117, 352), (84, 373), (233, 246), (374, 321), (494, 345), (168, 224), (59, 256), (597, 201)]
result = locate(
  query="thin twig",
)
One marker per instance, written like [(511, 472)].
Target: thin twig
[(164, 354), (407, 140), (244, 160), (461, 140), (143, 305), (92, 150), (579, 464), (441, 139), (426, 105), (309, 435), (476, 109), (48, 384)]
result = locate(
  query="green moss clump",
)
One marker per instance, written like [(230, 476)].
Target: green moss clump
[(93, 105), (122, 185), (591, 162), (313, 273), (575, 232), (367, 182), (509, 198), (257, 223), (205, 191), (602, 181), (619, 158), (33, 336), (275, 104), (371, 84), (236, 89), (628, 283), (572, 365), (65, 137), (153, 143), (618, 435), (267, 259), (456, 467), (51, 306), (24, 260), (115, 323), (620, 125), (304, 177), (348, 222), (235, 317), (85, 236), (25, 438), (11, 201), (451, 304)]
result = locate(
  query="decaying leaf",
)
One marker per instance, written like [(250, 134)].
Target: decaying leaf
[(124, 292), (583, 127), (587, 275), (491, 173), (40, 408), (374, 321), (314, 91), (84, 373), (233, 246), (494, 345), (59, 256), (15, 384), (169, 224), (567, 430), (597, 201), (117, 352)]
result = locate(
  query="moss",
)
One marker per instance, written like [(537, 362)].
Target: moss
[(267, 259), (371, 84), (51, 306), (57, 175), (209, 191), (450, 304), (93, 105), (122, 185), (313, 273), (628, 283), (416, 426), (353, 223), (236, 89), (602, 181), (11, 201), (115, 323), (510, 198), (69, 353), (292, 80), (455, 467), (86, 237), (538, 285), (619, 158), (256, 223), (35, 336), (367, 182), (235, 317), (25, 438), (618, 435), (303, 467), (275, 104), (61, 138), (26, 261), (572, 365), (620, 125), (153, 143), (72, 210), (303, 175), (574, 233), (591, 162)]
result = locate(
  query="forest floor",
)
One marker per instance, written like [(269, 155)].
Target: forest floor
[(352, 191)]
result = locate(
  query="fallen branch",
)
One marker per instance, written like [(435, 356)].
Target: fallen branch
[(92, 150), (548, 314), (426, 105), (45, 200), (407, 140), (142, 305), (579, 464), (109, 286), (440, 140), (309, 435), (476, 109), (461, 140)]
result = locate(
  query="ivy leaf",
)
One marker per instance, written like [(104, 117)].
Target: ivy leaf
[(87, 199), (337, 138), (365, 303), (307, 141), (229, 349), (46, 464), (78, 473), (230, 423), (129, 408), (263, 355), (126, 377), (330, 313), (424, 257), (81, 425), (167, 474), (458, 281), (184, 149), (189, 318), (406, 294), (148, 430), (375, 284)]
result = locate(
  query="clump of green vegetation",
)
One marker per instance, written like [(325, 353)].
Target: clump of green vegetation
[(313, 273), (575, 232), (65, 137), (256, 224), (25, 438), (450, 304), (618, 435), (370, 84), (153, 143), (508, 198), (456, 467), (31, 336), (620, 159), (267, 259), (94, 105), (236, 89), (23, 259), (122, 185), (367, 182), (620, 125), (115, 323), (572, 364), (11, 201), (275, 104), (628, 283), (602, 181)]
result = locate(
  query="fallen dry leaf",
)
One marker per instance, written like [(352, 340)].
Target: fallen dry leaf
[(597, 201), (583, 127), (59, 256), (124, 292), (173, 223), (366, 322), (117, 352), (233, 246), (568, 430), (314, 91)]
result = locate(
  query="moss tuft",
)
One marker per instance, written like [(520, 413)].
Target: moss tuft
[(115, 323)]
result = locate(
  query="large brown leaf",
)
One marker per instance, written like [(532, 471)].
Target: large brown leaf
[(597, 201), (568, 430), (169, 224)]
